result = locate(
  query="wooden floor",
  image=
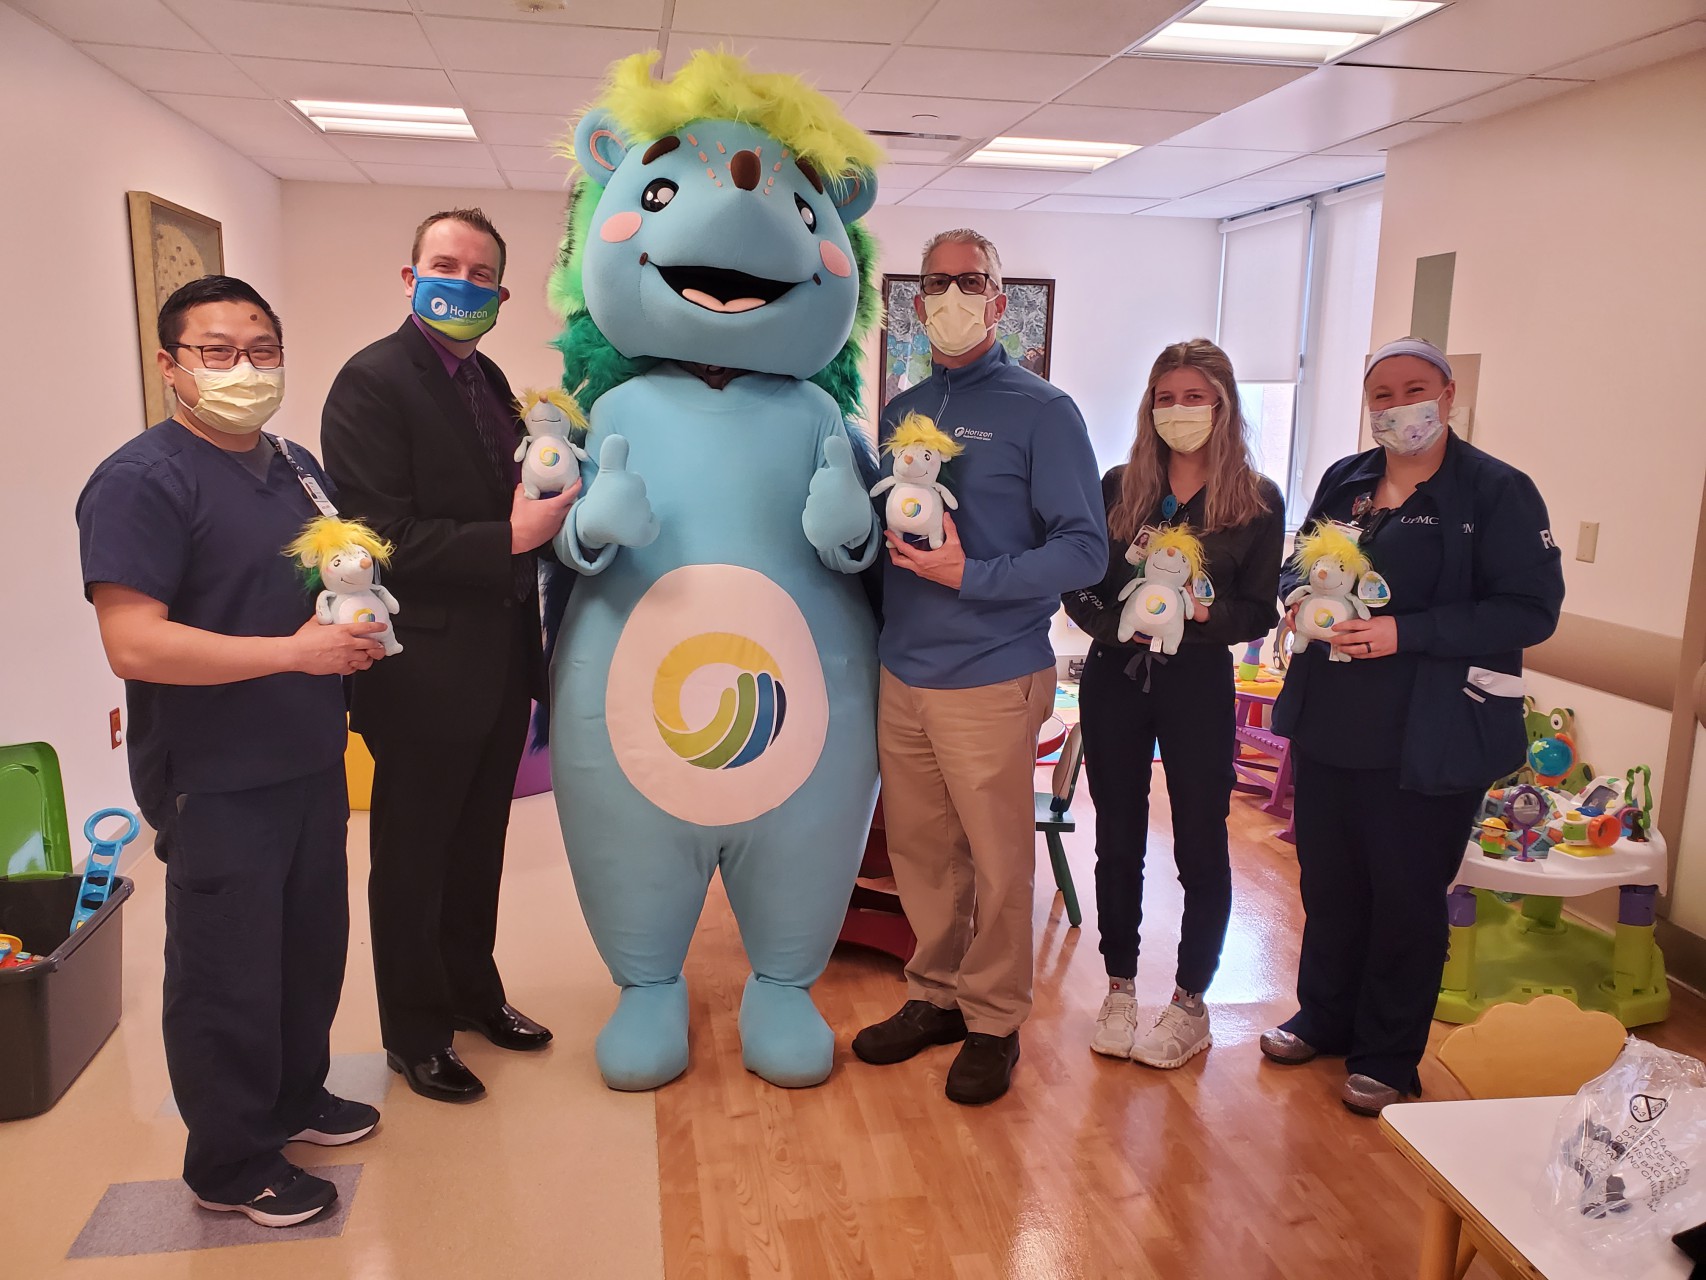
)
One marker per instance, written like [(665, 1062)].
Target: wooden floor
[(1092, 1168)]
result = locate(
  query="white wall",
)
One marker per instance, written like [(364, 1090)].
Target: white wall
[(76, 139)]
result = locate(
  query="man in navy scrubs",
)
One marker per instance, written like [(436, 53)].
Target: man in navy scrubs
[(236, 749)]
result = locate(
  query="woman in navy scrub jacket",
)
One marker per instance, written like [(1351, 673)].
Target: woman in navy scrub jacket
[(1393, 750)]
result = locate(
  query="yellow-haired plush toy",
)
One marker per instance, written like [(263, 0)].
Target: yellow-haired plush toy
[(916, 501), (1339, 584), (550, 459), (1158, 600), (342, 558)]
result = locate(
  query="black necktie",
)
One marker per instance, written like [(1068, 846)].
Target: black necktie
[(524, 568)]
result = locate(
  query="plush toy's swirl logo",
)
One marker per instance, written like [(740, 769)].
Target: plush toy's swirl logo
[(749, 712), (365, 615), (549, 457)]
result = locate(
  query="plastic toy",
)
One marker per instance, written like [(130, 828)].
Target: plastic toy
[(549, 457), (342, 558), (1494, 838), (1340, 584), (1525, 809), (1250, 665), (1637, 819), (916, 500), (1158, 599), (102, 866)]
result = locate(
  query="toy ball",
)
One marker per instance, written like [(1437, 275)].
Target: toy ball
[(1550, 757)]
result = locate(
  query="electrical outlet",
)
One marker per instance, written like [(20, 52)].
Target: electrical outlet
[(115, 728), (1587, 541)]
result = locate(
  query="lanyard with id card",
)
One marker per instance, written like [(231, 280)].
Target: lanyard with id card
[(309, 484)]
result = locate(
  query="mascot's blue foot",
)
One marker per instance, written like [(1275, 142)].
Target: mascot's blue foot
[(783, 1037), (644, 1045)]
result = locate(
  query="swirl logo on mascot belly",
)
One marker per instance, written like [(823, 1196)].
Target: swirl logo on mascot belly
[(714, 665)]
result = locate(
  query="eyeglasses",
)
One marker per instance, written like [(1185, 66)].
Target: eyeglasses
[(976, 283), (219, 356)]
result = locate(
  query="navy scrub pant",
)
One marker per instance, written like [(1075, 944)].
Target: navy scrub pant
[(257, 927), (1185, 701), (1375, 862)]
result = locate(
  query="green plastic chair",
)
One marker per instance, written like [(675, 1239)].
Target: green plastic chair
[(35, 839), (1054, 818)]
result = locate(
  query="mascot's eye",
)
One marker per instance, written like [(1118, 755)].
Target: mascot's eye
[(658, 194), (806, 214)]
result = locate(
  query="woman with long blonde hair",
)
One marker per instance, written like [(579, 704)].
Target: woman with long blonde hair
[(1190, 469)]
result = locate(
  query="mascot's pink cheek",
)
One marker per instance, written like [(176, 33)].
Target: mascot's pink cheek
[(620, 226), (833, 258)]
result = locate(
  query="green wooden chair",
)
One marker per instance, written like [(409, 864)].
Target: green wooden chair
[(1054, 818)]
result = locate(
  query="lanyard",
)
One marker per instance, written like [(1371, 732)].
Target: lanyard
[(309, 484)]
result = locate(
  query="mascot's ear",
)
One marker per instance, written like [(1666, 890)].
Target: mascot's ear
[(854, 194), (598, 146)]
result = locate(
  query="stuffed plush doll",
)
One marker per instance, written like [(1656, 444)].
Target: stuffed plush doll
[(1158, 600), (1340, 584), (343, 557), (715, 675), (550, 459), (916, 501)]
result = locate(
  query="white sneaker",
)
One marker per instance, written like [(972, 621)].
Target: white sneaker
[(1116, 1025), (1176, 1038)]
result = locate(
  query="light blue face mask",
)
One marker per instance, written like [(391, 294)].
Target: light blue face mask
[(459, 309)]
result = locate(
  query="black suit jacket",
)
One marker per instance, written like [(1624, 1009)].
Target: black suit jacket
[(400, 443)]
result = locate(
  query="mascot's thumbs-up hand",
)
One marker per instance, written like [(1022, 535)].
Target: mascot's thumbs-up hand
[(838, 510), (615, 509)]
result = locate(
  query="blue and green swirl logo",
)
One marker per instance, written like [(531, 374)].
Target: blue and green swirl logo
[(749, 713)]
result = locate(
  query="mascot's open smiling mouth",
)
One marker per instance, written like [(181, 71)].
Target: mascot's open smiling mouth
[(717, 289)]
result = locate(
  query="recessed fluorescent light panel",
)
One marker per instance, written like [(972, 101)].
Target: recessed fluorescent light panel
[(1049, 153), (1299, 31), (379, 120)]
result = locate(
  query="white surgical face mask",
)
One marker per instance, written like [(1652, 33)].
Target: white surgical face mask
[(237, 401), (954, 320), (1406, 428), (1184, 428)]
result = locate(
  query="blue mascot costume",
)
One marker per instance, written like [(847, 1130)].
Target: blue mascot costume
[(715, 674)]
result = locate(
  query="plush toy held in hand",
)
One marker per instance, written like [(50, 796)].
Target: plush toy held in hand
[(1158, 600), (1340, 584), (550, 460), (342, 558), (916, 501)]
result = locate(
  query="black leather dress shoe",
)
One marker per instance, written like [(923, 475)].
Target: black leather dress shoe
[(442, 1077), (508, 1028), (983, 1069)]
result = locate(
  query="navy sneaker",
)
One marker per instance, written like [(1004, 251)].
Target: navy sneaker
[(292, 1200), (339, 1122)]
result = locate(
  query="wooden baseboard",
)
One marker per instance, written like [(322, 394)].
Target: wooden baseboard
[(1685, 954)]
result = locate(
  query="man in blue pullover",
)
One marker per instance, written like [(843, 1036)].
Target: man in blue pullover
[(968, 672)]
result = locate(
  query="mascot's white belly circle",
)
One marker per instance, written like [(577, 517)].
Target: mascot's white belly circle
[(1318, 615), (1156, 605), (715, 703), (364, 606)]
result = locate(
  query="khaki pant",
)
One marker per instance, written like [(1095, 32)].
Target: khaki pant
[(958, 767)]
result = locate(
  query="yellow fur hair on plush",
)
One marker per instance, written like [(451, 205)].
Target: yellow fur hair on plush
[(570, 407), (917, 430), (717, 85), (327, 535), (1325, 540), (1179, 538)]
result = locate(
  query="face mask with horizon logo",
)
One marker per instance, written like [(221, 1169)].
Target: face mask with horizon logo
[(459, 309)]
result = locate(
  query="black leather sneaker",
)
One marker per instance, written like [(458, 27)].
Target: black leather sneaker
[(983, 1069), (339, 1122), (917, 1026), (293, 1199)]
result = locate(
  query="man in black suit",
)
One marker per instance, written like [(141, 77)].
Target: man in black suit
[(419, 433)]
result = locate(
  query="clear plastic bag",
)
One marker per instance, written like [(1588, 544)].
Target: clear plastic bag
[(1628, 1167)]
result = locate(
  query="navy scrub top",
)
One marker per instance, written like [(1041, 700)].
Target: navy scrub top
[(183, 521)]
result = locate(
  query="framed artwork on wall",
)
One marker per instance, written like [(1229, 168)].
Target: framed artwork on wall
[(169, 246), (1027, 331)]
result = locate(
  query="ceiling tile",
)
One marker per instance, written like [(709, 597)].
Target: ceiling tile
[(346, 82), (1508, 98), (1325, 168), (898, 179), (1172, 171), (426, 175), (877, 20), (1180, 84), (966, 199), (963, 117), (1199, 207), (171, 70), (312, 170), (596, 13), (1335, 104), (421, 151), (531, 159), (1090, 204), (1521, 36), (524, 181), (393, 6), (318, 35), (1262, 192), (500, 91), (1674, 43), (1104, 27), (1107, 124), (970, 73), (474, 44), (827, 65), (520, 129), (140, 22), (1383, 140), (995, 178), (253, 126)]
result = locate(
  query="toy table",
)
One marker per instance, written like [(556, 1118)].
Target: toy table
[(1502, 952)]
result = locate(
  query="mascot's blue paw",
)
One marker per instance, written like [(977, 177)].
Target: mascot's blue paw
[(783, 1037), (644, 1045)]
